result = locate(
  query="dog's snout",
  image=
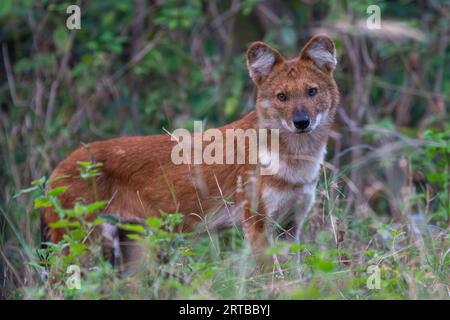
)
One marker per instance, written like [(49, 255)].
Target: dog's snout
[(301, 120)]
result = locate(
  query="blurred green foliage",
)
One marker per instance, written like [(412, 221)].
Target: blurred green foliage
[(136, 67)]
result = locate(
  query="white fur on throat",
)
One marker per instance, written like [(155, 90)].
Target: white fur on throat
[(306, 171)]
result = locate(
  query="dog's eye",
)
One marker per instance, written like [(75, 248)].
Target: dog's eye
[(312, 92), (281, 96)]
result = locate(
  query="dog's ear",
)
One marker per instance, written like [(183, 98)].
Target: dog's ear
[(261, 58), (321, 51)]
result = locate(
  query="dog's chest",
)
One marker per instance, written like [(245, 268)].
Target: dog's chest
[(298, 186), (277, 202)]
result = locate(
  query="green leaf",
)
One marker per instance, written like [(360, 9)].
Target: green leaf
[(38, 182), (57, 191), (132, 227), (64, 223), (325, 265), (78, 234), (71, 213), (79, 209), (90, 174), (154, 222), (84, 164), (296, 247), (42, 203), (321, 263), (133, 236), (96, 206), (99, 221), (77, 249)]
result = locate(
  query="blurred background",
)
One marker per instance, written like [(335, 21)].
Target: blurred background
[(136, 67)]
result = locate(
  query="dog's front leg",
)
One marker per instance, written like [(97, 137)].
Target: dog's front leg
[(302, 209), (254, 220), (255, 230)]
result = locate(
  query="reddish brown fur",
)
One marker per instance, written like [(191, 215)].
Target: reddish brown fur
[(139, 178)]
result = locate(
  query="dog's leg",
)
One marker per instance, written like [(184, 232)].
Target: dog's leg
[(255, 233), (303, 208), (254, 220), (111, 244), (132, 253)]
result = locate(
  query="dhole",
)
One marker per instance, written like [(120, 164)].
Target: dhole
[(296, 96)]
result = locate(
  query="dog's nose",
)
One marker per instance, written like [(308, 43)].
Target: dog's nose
[(301, 120)]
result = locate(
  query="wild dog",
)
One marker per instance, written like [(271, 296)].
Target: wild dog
[(297, 97)]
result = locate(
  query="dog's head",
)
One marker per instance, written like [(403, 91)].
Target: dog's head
[(295, 95)]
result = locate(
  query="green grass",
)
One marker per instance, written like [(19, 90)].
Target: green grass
[(342, 250), (383, 194)]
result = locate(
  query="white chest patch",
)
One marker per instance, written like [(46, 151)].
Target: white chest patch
[(277, 203), (305, 172)]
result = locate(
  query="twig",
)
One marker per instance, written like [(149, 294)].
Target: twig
[(9, 74)]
